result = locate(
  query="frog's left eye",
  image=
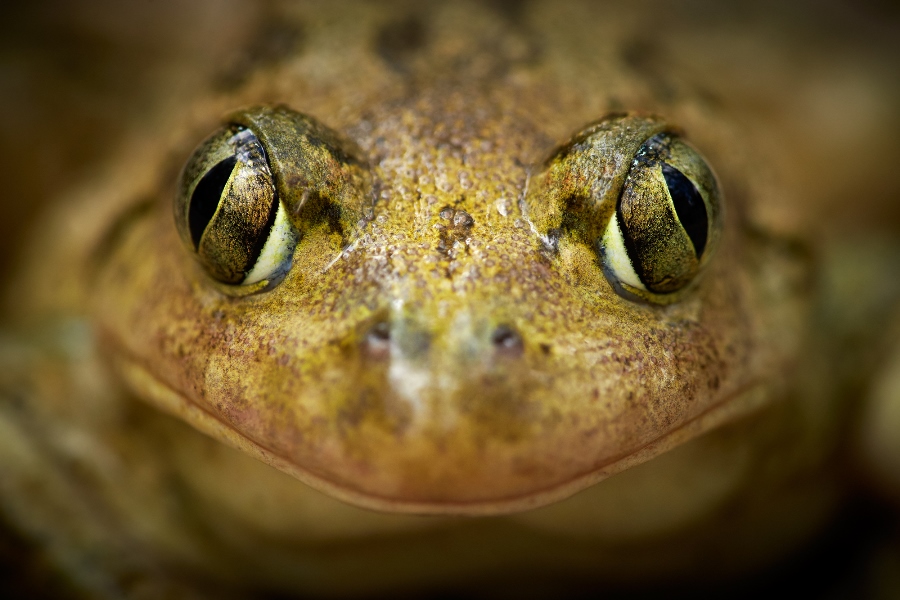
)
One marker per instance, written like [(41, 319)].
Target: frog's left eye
[(255, 187), (666, 222), (228, 210)]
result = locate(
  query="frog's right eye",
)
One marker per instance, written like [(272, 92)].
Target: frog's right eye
[(666, 222), (229, 213), (643, 199), (253, 189)]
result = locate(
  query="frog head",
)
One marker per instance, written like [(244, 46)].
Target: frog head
[(433, 303)]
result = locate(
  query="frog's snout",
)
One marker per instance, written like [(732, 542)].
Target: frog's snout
[(376, 343), (507, 341), (384, 339)]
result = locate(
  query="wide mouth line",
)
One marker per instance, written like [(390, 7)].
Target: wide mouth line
[(210, 423)]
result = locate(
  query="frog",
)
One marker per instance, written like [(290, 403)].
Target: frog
[(438, 296)]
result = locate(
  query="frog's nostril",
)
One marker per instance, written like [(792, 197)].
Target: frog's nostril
[(377, 343), (507, 341)]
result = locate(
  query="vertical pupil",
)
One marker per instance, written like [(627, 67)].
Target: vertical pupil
[(689, 206), (206, 197)]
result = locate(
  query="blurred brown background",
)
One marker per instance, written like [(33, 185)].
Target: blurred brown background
[(76, 77)]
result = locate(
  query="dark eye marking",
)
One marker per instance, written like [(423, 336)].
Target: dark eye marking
[(206, 197), (689, 206)]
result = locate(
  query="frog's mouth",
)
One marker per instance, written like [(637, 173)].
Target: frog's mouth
[(727, 408)]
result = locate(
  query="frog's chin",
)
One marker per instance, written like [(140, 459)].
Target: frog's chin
[(730, 408)]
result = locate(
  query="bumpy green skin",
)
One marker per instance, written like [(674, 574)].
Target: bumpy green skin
[(432, 350)]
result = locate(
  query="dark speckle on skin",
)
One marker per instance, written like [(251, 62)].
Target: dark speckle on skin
[(461, 223), (463, 219)]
